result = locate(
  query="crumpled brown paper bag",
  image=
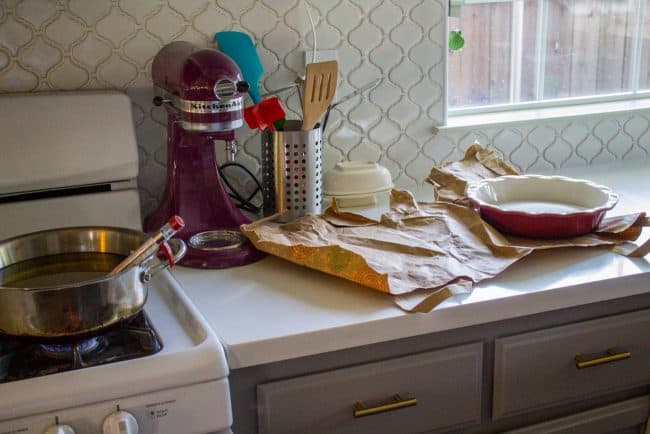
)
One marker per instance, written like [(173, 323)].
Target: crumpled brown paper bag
[(410, 248), (478, 163), (422, 253)]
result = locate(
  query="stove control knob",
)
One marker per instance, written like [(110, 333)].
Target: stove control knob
[(120, 422), (59, 429)]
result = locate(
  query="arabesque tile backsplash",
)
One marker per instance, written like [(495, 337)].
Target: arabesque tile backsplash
[(50, 45)]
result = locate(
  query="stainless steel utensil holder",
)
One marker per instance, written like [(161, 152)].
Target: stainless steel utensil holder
[(292, 172)]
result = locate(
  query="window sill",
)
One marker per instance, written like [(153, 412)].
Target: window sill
[(548, 113)]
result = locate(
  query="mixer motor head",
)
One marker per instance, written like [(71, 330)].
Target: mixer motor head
[(202, 87)]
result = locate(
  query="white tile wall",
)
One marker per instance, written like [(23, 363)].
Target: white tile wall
[(109, 44), (552, 144)]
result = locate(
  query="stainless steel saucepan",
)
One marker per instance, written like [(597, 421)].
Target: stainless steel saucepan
[(55, 283)]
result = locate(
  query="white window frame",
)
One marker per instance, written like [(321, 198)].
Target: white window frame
[(516, 57)]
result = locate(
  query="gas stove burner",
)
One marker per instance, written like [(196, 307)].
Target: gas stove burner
[(131, 339), (71, 351)]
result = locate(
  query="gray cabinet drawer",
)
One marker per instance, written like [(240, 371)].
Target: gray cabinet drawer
[(538, 369), (623, 417), (446, 384)]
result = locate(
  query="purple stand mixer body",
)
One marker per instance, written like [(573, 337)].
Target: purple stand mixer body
[(200, 89)]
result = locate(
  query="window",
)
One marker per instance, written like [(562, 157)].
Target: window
[(553, 51)]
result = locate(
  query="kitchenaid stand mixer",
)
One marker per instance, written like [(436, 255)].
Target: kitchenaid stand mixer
[(202, 91)]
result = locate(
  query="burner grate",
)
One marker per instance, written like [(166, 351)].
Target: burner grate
[(5, 358), (129, 340)]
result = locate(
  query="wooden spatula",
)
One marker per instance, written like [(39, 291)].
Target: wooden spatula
[(320, 86)]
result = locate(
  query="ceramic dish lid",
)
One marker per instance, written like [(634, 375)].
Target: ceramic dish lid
[(357, 178)]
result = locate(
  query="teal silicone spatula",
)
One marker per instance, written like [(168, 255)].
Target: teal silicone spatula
[(240, 47)]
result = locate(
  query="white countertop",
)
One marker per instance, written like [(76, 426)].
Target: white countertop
[(273, 310)]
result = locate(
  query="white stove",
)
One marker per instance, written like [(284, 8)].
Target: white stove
[(68, 160)]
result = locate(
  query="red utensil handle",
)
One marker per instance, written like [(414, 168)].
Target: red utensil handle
[(167, 253)]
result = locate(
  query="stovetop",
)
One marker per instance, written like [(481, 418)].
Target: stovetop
[(190, 368), (133, 338)]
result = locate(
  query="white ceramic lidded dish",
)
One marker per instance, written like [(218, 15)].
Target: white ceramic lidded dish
[(540, 206), (357, 183)]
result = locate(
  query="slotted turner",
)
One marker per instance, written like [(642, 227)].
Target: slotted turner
[(320, 86)]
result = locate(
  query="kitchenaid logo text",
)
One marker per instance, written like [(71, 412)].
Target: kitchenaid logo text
[(216, 106)]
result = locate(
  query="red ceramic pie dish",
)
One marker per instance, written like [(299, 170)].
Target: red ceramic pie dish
[(537, 206)]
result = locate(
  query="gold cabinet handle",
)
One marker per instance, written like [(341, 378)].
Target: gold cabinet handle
[(611, 355), (396, 403)]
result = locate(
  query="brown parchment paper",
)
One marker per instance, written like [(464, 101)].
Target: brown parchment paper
[(421, 253), (478, 163)]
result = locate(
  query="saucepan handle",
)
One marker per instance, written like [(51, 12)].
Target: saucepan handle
[(178, 247)]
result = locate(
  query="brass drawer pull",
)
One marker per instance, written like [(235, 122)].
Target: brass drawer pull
[(611, 355), (398, 402)]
